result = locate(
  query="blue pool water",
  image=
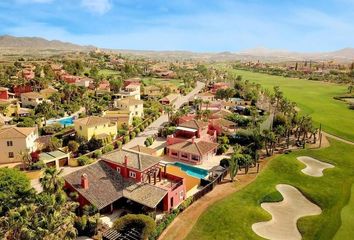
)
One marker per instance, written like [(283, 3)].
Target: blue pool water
[(63, 121), (192, 171)]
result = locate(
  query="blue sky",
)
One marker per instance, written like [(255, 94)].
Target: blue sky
[(197, 25)]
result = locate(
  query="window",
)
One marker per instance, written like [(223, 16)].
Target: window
[(11, 155), (136, 113), (118, 169), (184, 155), (132, 174), (174, 153), (181, 195), (9, 143), (194, 157), (81, 128)]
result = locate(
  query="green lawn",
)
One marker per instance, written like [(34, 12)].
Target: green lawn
[(233, 217), (153, 81), (107, 72), (315, 98), (346, 231)]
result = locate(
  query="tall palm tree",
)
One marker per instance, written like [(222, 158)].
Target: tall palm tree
[(52, 182)]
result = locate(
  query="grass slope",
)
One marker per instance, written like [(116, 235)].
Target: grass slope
[(315, 98), (346, 231), (233, 217)]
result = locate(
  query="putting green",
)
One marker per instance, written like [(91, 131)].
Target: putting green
[(314, 98)]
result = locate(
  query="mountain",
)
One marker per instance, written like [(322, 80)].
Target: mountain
[(18, 46), (36, 43)]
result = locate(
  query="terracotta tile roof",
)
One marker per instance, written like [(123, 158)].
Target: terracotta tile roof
[(48, 90), (221, 113), (92, 121), (143, 149), (130, 101), (222, 122), (197, 148), (145, 194), (107, 186), (170, 97), (194, 124), (31, 95), (136, 160), (16, 132)]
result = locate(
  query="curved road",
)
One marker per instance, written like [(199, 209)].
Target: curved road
[(154, 127)]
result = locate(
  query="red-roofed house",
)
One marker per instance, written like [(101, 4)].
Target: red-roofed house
[(124, 175), (192, 142), (219, 85)]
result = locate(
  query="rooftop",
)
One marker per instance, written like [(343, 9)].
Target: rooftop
[(130, 101), (31, 95), (16, 132), (136, 160), (194, 124), (92, 121), (197, 148)]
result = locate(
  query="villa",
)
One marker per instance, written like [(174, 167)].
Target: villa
[(205, 96), (48, 92), (131, 89), (31, 99), (152, 91), (169, 99), (192, 142), (122, 177), (219, 85), (14, 140), (134, 107), (91, 126), (119, 117), (5, 94)]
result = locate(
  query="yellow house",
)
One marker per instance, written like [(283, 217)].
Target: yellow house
[(48, 92), (134, 107), (14, 140), (118, 116), (99, 127)]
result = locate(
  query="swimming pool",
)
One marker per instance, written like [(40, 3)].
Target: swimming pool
[(192, 171), (67, 121)]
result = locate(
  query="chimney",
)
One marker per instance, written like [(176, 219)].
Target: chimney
[(193, 139), (126, 160), (84, 181)]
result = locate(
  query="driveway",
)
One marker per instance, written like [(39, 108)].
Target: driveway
[(154, 127)]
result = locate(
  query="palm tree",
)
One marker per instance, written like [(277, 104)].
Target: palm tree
[(233, 166), (169, 110), (52, 182)]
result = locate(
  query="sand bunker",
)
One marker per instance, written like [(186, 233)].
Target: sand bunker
[(314, 167), (285, 215)]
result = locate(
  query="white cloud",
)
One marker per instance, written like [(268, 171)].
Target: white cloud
[(97, 6)]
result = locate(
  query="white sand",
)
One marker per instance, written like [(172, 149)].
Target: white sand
[(314, 167), (285, 215)]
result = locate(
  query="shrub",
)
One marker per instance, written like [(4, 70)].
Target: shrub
[(222, 148), (119, 144), (137, 130), (84, 160), (94, 144), (107, 148), (224, 162), (132, 135), (144, 224), (97, 154), (126, 139), (73, 146)]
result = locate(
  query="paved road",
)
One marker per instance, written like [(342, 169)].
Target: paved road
[(154, 127)]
